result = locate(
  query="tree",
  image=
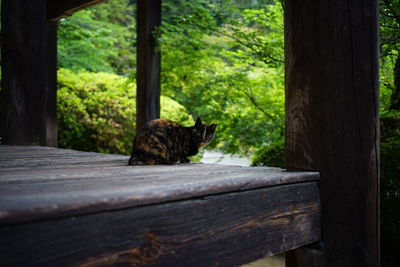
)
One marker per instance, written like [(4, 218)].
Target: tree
[(227, 66), (101, 38), (390, 130), (390, 49)]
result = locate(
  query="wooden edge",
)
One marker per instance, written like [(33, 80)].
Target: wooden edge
[(220, 230), (34, 206), (24, 210), (57, 9)]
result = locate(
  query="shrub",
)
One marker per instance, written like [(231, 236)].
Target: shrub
[(390, 188), (272, 155), (96, 111)]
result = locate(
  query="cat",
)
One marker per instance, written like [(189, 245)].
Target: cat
[(163, 141)]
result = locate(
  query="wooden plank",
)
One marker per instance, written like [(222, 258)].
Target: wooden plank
[(28, 66), (36, 156), (219, 230), (331, 64), (55, 186), (148, 62), (60, 9)]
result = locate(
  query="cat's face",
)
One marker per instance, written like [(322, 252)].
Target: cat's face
[(203, 134)]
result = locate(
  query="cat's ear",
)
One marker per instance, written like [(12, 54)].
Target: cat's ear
[(198, 122), (213, 126)]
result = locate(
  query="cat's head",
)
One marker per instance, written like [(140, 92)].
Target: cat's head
[(203, 134)]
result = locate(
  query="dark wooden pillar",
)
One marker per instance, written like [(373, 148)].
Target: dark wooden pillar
[(148, 62), (331, 57), (29, 77)]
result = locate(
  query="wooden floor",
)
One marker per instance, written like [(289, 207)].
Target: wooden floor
[(63, 207)]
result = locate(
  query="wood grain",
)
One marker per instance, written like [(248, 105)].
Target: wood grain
[(61, 207), (218, 230), (331, 64), (60, 9), (38, 183), (148, 62), (29, 78)]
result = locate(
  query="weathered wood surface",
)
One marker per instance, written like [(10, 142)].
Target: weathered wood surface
[(331, 63), (29, 78), (40, 182), (64, 207), (58, 9), (148, 16), (220, 230)]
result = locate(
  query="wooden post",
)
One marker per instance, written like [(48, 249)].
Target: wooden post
[(148, 62), (29, 77), (331, 58)]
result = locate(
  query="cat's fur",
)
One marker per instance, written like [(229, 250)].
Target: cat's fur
[(163, 141)]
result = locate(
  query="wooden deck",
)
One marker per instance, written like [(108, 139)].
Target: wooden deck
[(62, 207)]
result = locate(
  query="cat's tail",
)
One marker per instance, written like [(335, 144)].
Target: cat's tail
[(134, 161)]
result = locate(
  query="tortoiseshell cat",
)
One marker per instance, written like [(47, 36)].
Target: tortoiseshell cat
[(163, 141)]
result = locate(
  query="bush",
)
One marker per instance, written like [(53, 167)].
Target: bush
[(390, 188), (272, 155), (96, 111)]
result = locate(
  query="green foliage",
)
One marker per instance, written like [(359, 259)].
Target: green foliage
[(272, 155), (99, 39), (389, 27), (174, 111), (390, 187), (390, 53), (223, 61), (96, 111), (230, 73), (390, 131), (259, 34)]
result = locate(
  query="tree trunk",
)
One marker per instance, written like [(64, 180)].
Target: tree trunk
[(395, 97)]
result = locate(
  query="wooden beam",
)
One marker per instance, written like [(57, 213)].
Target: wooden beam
[(218, 230), (331, 65), (148, 62), (29, 78), (58, 9)]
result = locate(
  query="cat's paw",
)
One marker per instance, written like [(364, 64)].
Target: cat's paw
[(185, 160), (134, 161)]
